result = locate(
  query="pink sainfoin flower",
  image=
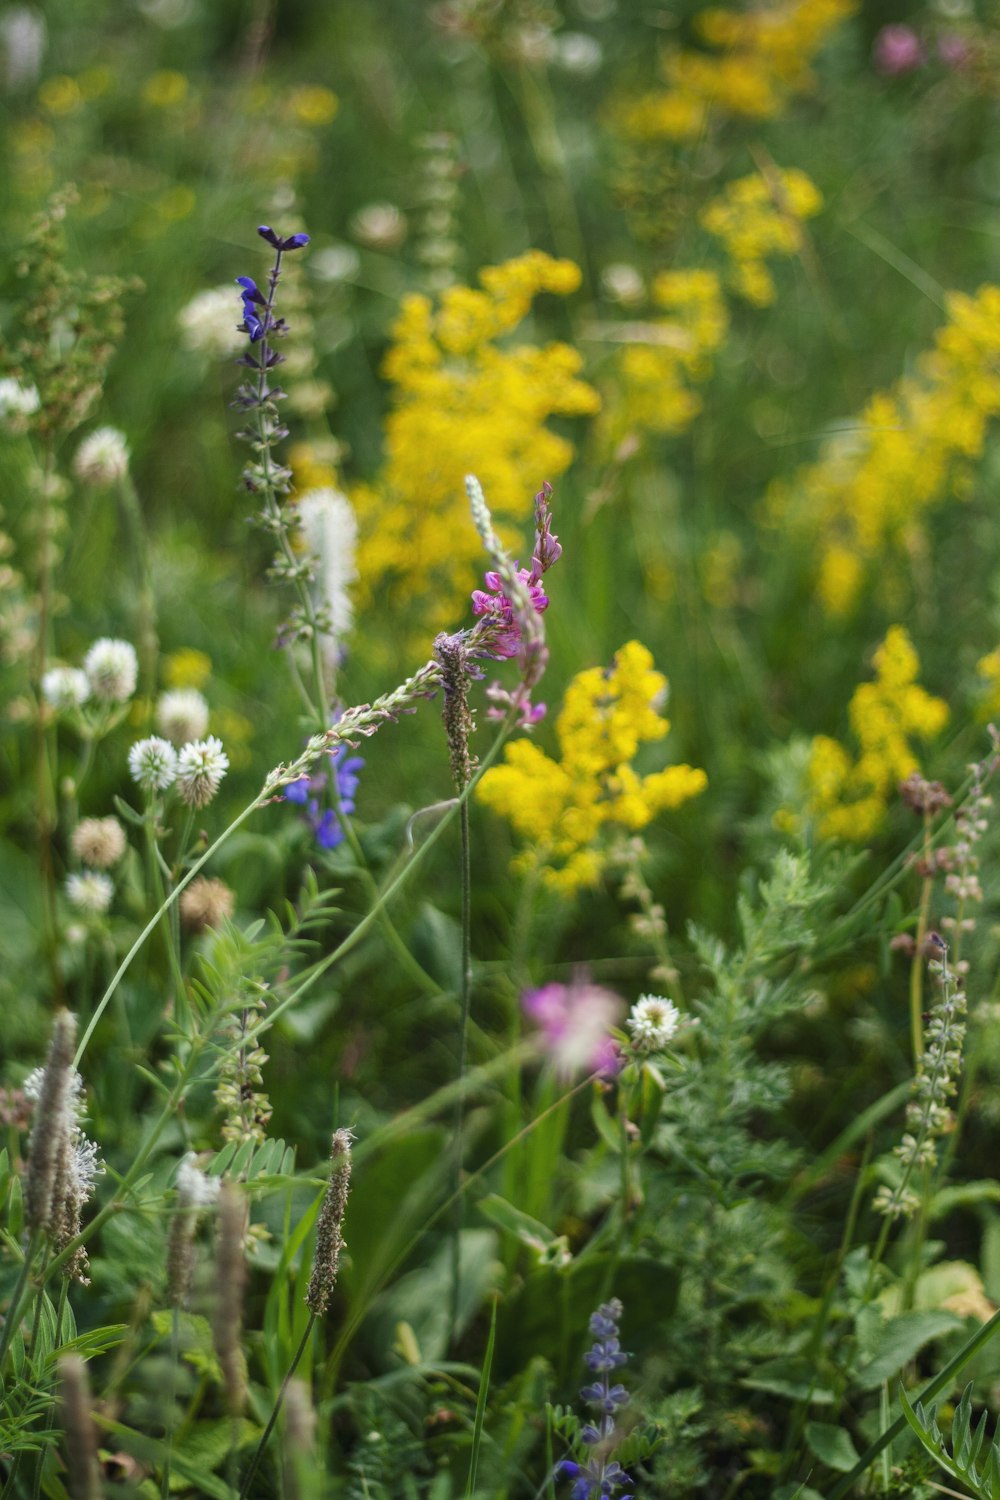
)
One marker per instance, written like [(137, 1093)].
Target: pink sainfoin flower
[(575, 1022), (509, 636), (953, 50), (897, 50)]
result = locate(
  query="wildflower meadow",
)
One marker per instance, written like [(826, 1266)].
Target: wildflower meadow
[(500, 691)]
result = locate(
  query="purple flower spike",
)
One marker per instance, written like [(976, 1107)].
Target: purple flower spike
[(252, 299), (293, 242)]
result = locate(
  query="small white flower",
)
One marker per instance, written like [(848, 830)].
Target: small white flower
[(86, 1167), (112, 668), (182, 715), (102, 458), (208, 323), (652, 1022), (578, 53), (98, 842), (381, 226), (330, 531), (17, 401), (152, 763), (623, 283), (200, 768), (194, 1187), (65, 687), (89, 891)]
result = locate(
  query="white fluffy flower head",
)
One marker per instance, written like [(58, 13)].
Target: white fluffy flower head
[(200, 768), (89, 891), (182, 715), (17, 401), (152, 763), (330, 531), (653, 1022), (208, 324), (102, 458), (194, 1187), (112, 668), (98, 842), (65, 688)]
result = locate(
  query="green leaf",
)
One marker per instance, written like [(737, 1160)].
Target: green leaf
[(526, 1230), (794, 1378), (608, 1129), (900, 1340), (832, 1446)]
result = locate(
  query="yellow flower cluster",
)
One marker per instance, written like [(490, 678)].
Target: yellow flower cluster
[(464, 403), (988, 668), (761, 60), (561, 806), (656, 373), (866, 495), (849, 797), (759, 216)]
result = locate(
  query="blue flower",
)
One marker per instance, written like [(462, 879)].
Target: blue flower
[(327, 827), (293, 242), (600, 1475), (252, 299)]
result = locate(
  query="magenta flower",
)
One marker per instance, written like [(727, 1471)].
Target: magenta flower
[(897, 50), (493, 603), (575, 1022)]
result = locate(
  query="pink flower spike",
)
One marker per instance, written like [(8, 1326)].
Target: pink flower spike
[(575, 1022)]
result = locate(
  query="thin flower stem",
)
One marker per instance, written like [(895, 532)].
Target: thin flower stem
[(917, 965), (465, 998), (258, 1452)]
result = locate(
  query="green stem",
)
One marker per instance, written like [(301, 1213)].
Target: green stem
[(934, 1388), (463, 1048), (13, 1316), (276, 1408)]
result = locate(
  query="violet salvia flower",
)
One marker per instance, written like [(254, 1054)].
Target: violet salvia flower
[(253, 298), (292, 242), (325, 824), (597, 1473)]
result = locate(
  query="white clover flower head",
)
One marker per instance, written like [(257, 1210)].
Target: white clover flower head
[(17, 401), (194, 1187), (102, 458), (653, 1021), (112, 668), (64, 688), (98, 842), (208, 324), (200, 769), (90, 891), (152, 763), (182, 715)]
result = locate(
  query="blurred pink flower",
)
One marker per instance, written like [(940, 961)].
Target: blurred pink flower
[(953, 50), (897, 50), (575, 1021)]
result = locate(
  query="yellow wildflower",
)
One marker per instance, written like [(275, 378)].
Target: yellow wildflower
[(655, 374), (988, 668), (311, 104), (187, 668), (865, 497), (759, 216), (561, 807), (165, 90), (464, 403), (760, 60), (60, 95), (848, 797)]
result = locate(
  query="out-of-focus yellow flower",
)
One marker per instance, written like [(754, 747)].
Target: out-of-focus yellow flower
[(187, 668), (176, 203), (561, 808), (60, 95), (31, 136), (988, 668), (311, 104), (848, 796), (165, 90), (465, 403), (757, 217), (865, 497), (235, 731), (667, 357), (96, 81), (313, 466), (760, 60)]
